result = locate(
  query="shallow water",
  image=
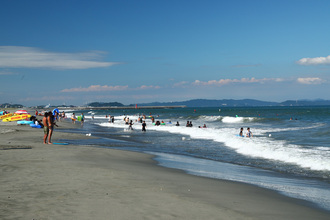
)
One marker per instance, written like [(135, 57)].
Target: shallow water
[(291, 156)]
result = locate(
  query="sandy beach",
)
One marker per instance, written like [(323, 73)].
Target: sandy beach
[(40, 181)]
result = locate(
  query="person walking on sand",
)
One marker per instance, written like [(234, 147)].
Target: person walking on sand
[(46, 128)]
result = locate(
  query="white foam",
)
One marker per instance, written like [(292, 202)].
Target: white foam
[(263, 131), (259, 147), (228, 119), (210, 118)]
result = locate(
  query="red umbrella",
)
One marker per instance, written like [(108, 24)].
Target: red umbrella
[(21, 112)]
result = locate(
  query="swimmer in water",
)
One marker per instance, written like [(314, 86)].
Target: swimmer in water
[(241, 132), (130, 125), (249, 133), (144, 125)]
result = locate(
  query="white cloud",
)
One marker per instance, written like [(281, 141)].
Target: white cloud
[(180, 84), (222, 82), (96, 88), (310, 80), (29, 57), (148, 87), (99, 88), (314, 61)]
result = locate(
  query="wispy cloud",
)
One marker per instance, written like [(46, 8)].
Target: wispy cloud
[(314, 61), (222, 82), (29, 57), (310, 80), (181, 84), (96, 88), (148, 87), (99, 88), (186, 84)]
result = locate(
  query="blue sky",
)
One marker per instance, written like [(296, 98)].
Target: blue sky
[(136, 51)]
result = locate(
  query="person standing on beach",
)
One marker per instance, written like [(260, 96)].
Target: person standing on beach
[(46, 129), (144, 125), (51, 123)]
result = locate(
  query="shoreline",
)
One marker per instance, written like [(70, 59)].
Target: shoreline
[(81, 182)]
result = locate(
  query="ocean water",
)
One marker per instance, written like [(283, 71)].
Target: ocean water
[(289, 151)]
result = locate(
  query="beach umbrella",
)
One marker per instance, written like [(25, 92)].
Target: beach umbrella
[(21, 112)]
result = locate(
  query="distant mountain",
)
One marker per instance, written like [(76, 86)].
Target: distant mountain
[(7, 105), (105, 104), (213, 103), (238, 103), (202, 103), (316, 102)]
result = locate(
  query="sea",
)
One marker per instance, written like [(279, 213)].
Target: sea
[(289, 151)]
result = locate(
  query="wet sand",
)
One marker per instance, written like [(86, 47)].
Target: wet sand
[(39, 181)]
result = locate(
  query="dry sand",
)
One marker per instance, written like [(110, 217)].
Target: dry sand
[(39, 181)]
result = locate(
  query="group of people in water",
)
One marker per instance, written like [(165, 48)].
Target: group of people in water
[(248, 133), (50, 118), (139, 120)]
